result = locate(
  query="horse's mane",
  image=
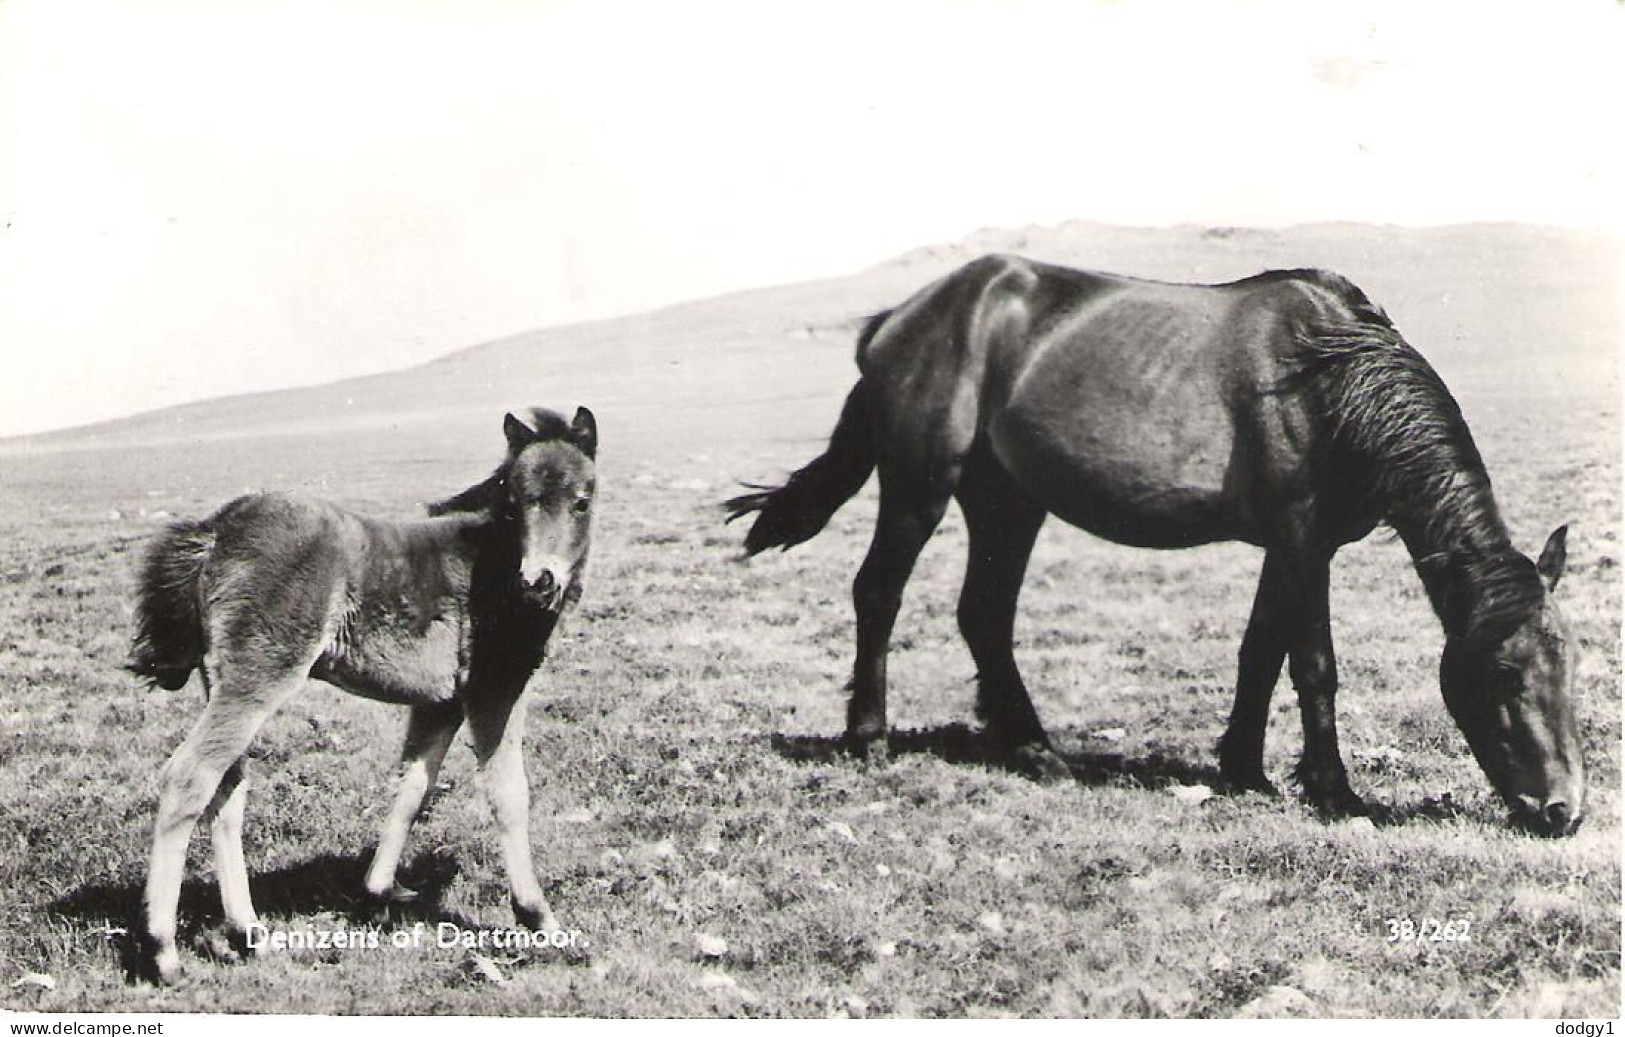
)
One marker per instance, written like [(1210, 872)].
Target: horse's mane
[(487, 495), (481, 497), (1401, 435)]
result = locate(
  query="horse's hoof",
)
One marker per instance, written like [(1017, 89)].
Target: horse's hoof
[(1248, 781), (869, 751), (1338, 802), (1040, 763)]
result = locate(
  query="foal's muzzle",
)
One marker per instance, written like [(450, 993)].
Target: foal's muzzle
[(546, 590)]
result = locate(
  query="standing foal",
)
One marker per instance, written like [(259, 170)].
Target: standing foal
[(449, 615)]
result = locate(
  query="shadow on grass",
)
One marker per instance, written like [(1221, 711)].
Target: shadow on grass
[(960, 744), (329, 884)]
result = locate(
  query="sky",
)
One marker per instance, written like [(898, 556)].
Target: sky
[(201, 198)]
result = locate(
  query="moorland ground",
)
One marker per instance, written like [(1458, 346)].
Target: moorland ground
[(692, 813)]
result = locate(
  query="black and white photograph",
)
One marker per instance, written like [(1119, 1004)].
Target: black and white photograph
[(994, 509)]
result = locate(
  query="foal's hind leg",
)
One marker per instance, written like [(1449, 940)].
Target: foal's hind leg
[(908, 515), (188, 785), (429, 733), (1003, 523), (498, 730), (225, 815)]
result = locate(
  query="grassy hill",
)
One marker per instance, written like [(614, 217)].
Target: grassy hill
[(1447, 289)]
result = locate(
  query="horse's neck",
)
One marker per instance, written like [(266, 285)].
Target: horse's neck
[(1458, 543)]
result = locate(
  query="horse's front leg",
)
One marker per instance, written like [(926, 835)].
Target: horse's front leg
[(429, 733), (498, 730), (1313, 667)]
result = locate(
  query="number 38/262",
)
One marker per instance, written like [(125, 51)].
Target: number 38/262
[(1429, 930)]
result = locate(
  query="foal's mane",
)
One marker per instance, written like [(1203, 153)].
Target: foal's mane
[(487, 496), (1402, 435)]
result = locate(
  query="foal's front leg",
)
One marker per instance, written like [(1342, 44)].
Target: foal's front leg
[(498, 729), (429, 733)]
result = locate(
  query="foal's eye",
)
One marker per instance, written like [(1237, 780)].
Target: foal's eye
[(582, 505)]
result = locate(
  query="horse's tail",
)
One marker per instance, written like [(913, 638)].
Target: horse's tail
[(169, 635), (796, 511)]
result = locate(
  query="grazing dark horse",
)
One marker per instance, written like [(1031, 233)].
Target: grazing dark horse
[(1283, 410), (448, 615)]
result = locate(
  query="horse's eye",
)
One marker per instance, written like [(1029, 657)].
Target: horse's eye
[(582, 505)]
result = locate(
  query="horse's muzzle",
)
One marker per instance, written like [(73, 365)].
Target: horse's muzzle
[(1552, 820)]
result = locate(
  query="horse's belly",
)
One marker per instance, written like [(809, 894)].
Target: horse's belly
[(408, 668), (1142, 484)]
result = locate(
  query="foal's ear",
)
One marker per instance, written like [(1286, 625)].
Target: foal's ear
[(1553, 557), (584, 432), (519, 434)]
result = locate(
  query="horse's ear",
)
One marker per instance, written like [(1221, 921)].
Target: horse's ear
[(519, 434), (584, 432), (1553, 557)]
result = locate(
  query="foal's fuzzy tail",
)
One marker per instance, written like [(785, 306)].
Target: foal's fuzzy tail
[(796, 511), (168, 641)]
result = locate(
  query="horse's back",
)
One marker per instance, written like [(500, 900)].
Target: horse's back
[(1127, 407)]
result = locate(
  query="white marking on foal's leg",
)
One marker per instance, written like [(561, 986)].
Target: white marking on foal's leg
[(499, 742), (188, 783), (230, 869), (186, 786), (429, 733)]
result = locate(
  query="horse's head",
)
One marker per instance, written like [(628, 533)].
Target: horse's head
[(550, 484), (1510, 692)]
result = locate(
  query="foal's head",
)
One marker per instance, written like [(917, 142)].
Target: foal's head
[(549, 487), (1510, 689)]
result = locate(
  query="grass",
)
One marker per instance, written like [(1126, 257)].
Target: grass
[(693, 817)]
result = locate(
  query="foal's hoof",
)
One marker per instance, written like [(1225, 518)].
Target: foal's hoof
[(536, 919), (387, 907), (160, 968), (1039, 762), (230, 946)]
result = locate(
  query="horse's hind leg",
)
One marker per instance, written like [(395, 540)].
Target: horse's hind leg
[(429, 733), (188, 784), (1003, 523), (498, 730), (1263, 650), (909, 512)]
